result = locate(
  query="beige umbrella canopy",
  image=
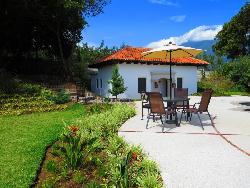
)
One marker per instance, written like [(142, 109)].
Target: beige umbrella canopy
[(170, 51)]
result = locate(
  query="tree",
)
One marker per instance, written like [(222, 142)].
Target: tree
[(215, 62), (117, 83), (234, 39), (84, 55), (52, 27), (239, 72)]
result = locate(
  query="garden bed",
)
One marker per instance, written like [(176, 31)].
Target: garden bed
[(91, 154)]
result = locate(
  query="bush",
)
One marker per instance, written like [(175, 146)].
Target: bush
[(217, 82), (29, 89), (11, 86), (61, 97), (96, 108), (109, 161), (51, 166), (7, 84), (25, 104), (239, 72), (107, 99)]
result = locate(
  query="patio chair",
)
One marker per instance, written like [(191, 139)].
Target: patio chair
[(203, 107), (157, 108), (144, 103), (181, 93)]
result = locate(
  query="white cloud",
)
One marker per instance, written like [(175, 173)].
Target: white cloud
[(197, 34), (179, 18), (164, 2)]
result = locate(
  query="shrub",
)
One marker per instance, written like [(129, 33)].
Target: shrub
[(107, 99), (47, 94), (11, 86), (217, 82), (7, 84), (51, 166), (106, 159), (239, 72), (96, 108), (61, 97), (149, 180), (72, 147), (24, 104), (78, 177), (29, 89)]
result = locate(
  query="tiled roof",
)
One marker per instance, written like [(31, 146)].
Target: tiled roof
[(134, 55)]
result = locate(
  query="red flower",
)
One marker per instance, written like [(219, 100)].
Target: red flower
[(73, 128), (134, 156)]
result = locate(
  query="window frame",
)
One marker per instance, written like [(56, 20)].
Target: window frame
[(177, 85), (138, 85)]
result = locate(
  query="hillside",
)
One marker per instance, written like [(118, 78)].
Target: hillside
[(204, 45)]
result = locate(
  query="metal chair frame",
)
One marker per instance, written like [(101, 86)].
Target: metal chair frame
[(203, 107), (157, 108)]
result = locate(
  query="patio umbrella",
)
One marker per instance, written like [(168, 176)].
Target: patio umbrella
[(170, 51)]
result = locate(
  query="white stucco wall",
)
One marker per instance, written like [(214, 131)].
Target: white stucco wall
[(131, 73), (105, 74)]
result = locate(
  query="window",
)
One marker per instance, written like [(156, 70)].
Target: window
[(179, 82), (100, 83), (156, 84), (97, 83), (141, 85)]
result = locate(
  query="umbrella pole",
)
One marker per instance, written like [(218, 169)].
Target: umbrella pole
[(170, 61)]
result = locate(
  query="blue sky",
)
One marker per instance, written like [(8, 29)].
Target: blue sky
[(152, 22)]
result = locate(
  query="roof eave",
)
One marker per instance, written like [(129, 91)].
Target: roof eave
[(119, 61)]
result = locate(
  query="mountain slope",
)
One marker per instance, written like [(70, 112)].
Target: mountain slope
[(204, 45)]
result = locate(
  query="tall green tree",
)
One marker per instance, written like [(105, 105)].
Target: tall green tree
[(84, 55), (234, 39), (52, 27), (117, 83)]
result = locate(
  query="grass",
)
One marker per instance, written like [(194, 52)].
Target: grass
[(226, 93), (24, 139), (242, 93)]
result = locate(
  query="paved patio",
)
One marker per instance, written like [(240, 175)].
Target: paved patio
[(219, 156)]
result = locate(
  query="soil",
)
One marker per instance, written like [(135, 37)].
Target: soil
[(89, 172)]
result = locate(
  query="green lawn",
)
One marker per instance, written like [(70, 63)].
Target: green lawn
[(23, 140), (238, 93)]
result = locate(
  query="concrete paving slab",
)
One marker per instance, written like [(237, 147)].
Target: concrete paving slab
[(191, 157)]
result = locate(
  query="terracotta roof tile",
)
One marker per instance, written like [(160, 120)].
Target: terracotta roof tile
[(135, 55)]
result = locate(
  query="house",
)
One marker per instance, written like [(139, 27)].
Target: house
[(143, 74)]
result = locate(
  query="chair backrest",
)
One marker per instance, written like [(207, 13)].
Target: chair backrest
[(144, 97), (181, 92), (205, 100), (156, 103)]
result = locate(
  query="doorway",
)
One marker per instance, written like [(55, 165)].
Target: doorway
[(164, 87)]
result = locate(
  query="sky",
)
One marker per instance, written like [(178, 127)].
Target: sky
[(152, 23)]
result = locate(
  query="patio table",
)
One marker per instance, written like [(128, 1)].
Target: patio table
[(172, 102)]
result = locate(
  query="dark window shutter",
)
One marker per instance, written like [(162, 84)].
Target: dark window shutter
[(179, 82), (97, 83), (141, 85)]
